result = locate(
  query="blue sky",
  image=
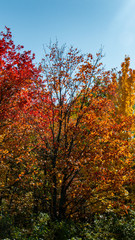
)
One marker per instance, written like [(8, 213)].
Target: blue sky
[(85, 24)]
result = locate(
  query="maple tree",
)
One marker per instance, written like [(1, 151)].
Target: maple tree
[(81, 145), (17, 75)]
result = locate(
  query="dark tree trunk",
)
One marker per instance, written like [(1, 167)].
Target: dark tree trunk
[(62, 208)]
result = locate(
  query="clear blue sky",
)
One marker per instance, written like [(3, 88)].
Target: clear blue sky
[(85, 24)]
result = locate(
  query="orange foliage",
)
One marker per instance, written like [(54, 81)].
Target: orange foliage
[(65, 147)]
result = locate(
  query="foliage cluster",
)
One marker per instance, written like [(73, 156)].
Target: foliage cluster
[(107, 226), (66, 138)]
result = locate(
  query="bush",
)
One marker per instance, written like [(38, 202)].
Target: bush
[(111, 227), (6, 223), (108, 226)]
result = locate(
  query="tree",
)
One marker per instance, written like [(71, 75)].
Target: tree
[(17, 76), (126, 88), (125, 102), (81, 148)]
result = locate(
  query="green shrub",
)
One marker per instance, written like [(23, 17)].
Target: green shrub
[(108, 226), (6, 223)]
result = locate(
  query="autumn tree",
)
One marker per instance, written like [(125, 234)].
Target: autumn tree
[(17, 76), (80, 146), (125, 101), (126, 88)]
